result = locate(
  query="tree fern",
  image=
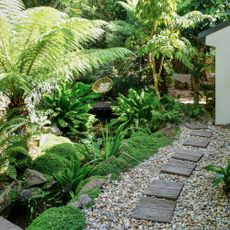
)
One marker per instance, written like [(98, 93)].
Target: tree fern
[(41, 44)]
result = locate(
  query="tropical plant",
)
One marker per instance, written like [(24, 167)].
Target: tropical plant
[(97, 150), (68, 180), (68, 108), (222, 175), (43, 45), (144, 110), (156, 35)]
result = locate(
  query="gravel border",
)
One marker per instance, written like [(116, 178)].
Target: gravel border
[(199, 205)]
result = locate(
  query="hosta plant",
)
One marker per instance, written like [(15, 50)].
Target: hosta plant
[(222, 175), (68, 108)]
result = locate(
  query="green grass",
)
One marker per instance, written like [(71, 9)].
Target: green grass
[(61, 218)]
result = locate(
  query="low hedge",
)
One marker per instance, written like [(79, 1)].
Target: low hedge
[(61, 218)]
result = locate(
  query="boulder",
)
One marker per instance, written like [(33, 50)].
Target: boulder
[(34, 178), (82, 202), (7, 225), (5, 199), (93, 183)]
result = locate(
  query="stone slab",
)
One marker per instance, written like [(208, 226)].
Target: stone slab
[(179, 167), (7, 225), (187, 155), (197, 143), (195, 126), (153, 209), (201, 133), (164, 189)]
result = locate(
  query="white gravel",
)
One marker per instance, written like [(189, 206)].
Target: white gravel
[(199, 205)]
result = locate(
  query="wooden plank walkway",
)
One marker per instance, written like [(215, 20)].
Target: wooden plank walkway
[(7, 225), (195, 126), (201, 133), (197, 143), (179, 167), (164, 189), (159, 210), (187, 155), (153, 207)]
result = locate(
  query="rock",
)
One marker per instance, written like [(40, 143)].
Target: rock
[(95, 182), (82, 202), (7, 225), (182, 81), (56, 131), (27, 194), (5, 200), (34, 177)]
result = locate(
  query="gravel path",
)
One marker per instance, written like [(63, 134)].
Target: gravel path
[(199, 205)]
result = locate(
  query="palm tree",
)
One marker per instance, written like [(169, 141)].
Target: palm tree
[(43, 45)]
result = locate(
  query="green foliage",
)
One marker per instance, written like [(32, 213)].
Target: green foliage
[(101, 150), (142, 110), (68, 180), (45, 46), (193, 110), (140, 146), (18, 160), (62, 218), (69, 108), (222, 175), (55, 159)]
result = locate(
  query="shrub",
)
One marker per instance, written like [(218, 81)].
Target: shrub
[(65, 150), (62, 218), (49, 163), (56, 158), (68, 108), (144, 110)]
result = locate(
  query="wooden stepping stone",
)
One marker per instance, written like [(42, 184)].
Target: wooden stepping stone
[(153, 209), (187, 155), (164, 189), (195, 126), (7, 225), (178, 167), (201, 133), (197, 143)]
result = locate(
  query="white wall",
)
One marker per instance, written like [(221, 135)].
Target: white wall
[(221, 40)]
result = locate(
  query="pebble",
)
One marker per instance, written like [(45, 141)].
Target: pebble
[(199, 205)]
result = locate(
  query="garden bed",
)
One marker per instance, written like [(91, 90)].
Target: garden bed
[(198, 206)]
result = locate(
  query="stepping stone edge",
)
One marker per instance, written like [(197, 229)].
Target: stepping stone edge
[(197, 143), (158, 210), (196, 126), (200, 133), (164, 189), (187, 155), (178, 167)]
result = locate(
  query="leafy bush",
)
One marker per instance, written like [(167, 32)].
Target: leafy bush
[(62, 218), (222, 175), (144, 110), (69, 108), (56, 158)]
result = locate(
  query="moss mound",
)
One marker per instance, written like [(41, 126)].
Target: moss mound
[(62, 218), (55, 159)]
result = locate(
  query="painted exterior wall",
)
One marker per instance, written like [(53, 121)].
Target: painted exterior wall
[(221, 40)]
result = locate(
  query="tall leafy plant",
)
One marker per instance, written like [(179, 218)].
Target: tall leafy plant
[(144, 110), (156, 35), (41, 45), (68, 108)]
